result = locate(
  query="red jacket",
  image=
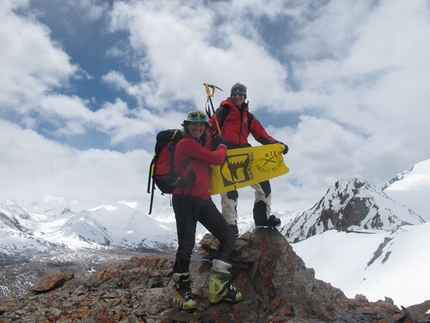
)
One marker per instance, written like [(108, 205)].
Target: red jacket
[(202, 158), (235, 126)]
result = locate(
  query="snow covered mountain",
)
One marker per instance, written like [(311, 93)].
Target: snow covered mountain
[(376, 264), (412, 188), (357, 237), (388, 260), (351, 206), (17, 240), (24, 235)]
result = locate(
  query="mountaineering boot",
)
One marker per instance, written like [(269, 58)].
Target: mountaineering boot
[(271, 222), (220, 284), (261, 219), (184, 299)]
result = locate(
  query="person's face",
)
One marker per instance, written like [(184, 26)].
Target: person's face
[(196, 129), (238, 98)]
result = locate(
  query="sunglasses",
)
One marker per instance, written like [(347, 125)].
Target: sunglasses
[(238, 93), (198, 116)]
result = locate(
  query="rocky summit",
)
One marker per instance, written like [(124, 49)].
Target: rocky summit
[(276, 285)]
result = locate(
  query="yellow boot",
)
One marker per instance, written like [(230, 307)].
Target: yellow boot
[(184, 299), (220, 284)]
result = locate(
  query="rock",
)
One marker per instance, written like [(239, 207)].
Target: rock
[(53, 279), (276, 285)]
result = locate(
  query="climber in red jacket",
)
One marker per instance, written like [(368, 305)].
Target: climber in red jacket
[(192, 204), (236, 123)]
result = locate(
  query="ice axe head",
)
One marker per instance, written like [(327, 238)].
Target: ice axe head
[(210, 89)]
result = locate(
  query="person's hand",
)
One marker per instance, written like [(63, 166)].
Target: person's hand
[(222, 145), (285, 151)]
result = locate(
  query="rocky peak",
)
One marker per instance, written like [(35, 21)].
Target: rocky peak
[(276, 285), (13, 210), (398, 177), (351, 206)]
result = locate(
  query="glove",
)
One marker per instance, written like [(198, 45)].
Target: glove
[(285, 148)]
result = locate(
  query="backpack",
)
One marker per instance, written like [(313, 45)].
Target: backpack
[(161, 169)]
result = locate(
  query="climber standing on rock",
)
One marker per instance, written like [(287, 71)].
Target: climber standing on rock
[(192, 203), (231, 125)]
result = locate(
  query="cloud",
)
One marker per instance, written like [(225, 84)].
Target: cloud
[(34, 167), (91, 9), (372, 80), (209, 53), (31, 63), (343, 83), (69, 116)]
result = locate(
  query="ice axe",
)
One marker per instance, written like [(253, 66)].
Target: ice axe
[(210, 91)]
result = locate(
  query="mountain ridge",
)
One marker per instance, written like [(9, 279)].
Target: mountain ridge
[(129, 230), (350, 206)]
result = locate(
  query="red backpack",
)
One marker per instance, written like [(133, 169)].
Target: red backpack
[(161, 170)]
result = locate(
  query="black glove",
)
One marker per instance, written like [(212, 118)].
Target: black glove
[(285, 148)]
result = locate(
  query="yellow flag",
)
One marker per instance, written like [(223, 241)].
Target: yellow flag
[(247, 166)]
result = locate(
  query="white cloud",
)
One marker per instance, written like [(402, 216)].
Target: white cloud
[(92, 9), (371, 79), (66, 107), (34, 168), (320, 154), (117, 80), (357, 72), (31, 63), (70, 116), (7, 5), (181, 48)]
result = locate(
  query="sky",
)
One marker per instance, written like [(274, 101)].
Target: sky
[(86, 85)]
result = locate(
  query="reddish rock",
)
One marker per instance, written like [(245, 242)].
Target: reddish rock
[(53, 279), (276, 285)]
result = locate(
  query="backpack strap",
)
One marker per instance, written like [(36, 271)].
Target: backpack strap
[(151, 174), (151, 184), (224, 112), (250, 118)]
